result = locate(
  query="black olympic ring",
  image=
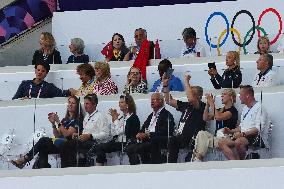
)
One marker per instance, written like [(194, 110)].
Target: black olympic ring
[(253, 26)]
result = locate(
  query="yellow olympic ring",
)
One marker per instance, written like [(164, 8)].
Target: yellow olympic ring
[(223, 33)]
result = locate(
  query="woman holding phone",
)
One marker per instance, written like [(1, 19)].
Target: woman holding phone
[(232, 76)]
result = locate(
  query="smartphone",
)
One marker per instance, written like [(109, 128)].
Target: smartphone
[(212, 65), (169, 72)]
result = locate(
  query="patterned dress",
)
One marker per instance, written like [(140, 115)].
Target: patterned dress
[(140, 88), (108, 87), (86, 88)]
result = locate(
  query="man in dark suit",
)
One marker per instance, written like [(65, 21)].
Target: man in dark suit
[(159, 124)]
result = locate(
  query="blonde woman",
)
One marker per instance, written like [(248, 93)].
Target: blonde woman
[(104, 85), (47, 52), (232, 76), (226, 120)]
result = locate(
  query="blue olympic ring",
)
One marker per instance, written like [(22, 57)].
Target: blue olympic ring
[(206, 28)]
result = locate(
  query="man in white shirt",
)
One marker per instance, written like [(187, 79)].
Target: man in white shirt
[(252, 128), (266, 77), (192, 47), (96, 130)]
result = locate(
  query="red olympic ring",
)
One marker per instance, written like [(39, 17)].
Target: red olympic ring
[(280, 22)]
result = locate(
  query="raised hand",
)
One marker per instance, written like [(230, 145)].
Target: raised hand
[(165, 80), (212, 72), (114, 114)]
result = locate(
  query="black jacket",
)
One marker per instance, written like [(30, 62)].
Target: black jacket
[(132, 127), (161, 128), (53, 58), (229, 78)]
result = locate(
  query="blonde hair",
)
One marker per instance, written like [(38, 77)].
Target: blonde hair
[(49, 41), (263, 38), (237, 57), (105, 69), (231, 92)]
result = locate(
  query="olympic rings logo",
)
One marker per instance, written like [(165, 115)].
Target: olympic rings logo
[(235, 31)]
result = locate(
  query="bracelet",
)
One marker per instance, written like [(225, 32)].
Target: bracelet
[(165, 86)]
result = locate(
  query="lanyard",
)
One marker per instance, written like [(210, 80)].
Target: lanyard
[(69, 123), (260, 75), (39, 91), (90, 116), (185, 118), (248, 111)]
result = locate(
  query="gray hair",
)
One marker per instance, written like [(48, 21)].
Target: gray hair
[(269, 59), (160, 95), (78, 44)]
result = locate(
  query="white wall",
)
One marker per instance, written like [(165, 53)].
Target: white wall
[(231, 174)]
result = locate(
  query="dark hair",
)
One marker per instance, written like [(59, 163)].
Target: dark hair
[(166, 62), (249, 89), (141, 29), (188, 33), (79, 113), (130, 102), (92, 98), (88, 69), (121, 37), (269, 59), (45, 65)]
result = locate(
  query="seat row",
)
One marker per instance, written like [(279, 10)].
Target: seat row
[(65, 77), (34, 115)]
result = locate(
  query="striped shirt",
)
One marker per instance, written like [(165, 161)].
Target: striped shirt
[(108, 87)]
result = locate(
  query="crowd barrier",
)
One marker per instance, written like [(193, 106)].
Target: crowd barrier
[(260, 174), (23, 116), (65, 77)]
